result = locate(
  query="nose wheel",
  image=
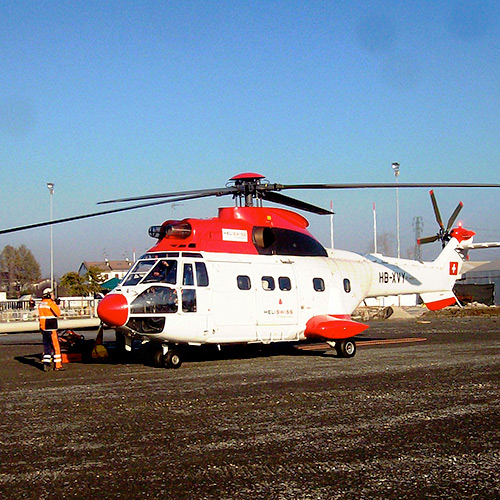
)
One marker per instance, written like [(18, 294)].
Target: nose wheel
[(171, 359)]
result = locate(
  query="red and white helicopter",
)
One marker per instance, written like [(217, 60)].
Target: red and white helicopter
[(255, 274)]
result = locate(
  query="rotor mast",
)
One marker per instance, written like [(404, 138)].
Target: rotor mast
[(246, 185)]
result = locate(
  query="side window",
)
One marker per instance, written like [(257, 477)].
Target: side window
[(189, 300), (347, 285), (319, 284), (268, 283), (201, 274), (188, 276), (244, 283), (284, 283)]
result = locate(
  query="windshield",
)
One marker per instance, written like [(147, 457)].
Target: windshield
[(165, 271), (138, 272)]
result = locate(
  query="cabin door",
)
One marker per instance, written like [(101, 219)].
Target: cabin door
[(277, 302)]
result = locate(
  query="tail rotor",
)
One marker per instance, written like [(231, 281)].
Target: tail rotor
[(444, 232)]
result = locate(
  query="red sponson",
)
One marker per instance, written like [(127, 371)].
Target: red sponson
[(327, 326)]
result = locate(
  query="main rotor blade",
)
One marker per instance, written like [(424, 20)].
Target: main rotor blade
[(454, 215), (294, 203), (436, 210), (97, 214), (392, 185), (195, 193), (427, 239)]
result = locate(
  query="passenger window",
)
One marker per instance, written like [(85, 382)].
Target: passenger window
[(268, 283), (284, 283), (347, 285), (319, 284), (244, 283), (189, 300), (201, 274), (188, 276)]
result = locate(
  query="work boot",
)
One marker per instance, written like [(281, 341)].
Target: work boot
[(47, 367), (60, 369)]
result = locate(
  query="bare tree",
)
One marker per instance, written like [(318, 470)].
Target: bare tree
[(19, 269)]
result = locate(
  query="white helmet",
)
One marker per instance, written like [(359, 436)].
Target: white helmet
[(47, 291)]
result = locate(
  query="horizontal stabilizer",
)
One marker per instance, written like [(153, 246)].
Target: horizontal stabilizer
[(438, 300), (331, 327), (476, 246)]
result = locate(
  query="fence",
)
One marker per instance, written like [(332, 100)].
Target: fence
[(71, 308)]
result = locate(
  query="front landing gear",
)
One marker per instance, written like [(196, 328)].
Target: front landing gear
[(166, 356), (346, 348), (173, 358)]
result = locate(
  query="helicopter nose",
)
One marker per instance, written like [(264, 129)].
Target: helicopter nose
[(113, 310)]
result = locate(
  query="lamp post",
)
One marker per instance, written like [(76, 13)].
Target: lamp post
[(50, 186), (395, 167)]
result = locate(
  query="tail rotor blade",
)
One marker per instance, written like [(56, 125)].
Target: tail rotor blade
[(454, 215), (428, 239), (436, 210)]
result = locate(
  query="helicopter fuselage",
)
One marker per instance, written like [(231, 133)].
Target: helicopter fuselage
[(256, 275)]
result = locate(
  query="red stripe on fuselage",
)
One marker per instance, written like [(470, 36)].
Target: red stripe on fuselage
[(440, 304)]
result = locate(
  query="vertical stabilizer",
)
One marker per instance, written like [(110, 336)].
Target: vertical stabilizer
[(450, 262)]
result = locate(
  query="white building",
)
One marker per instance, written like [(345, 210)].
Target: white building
[(108, 268)]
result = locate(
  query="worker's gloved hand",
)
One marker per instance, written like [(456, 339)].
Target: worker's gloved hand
[(58, 301)]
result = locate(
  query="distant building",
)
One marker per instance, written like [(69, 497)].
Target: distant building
[(108, 268)]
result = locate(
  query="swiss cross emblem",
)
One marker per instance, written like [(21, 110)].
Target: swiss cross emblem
[(453, 268)]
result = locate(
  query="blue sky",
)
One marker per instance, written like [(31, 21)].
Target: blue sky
[(113, 99)]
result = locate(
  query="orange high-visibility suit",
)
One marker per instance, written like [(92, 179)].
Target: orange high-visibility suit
[(48, 312)]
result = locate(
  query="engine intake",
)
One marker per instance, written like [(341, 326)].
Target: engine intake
[(171, 229)]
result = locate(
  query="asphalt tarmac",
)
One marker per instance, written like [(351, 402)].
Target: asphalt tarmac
[(412, 419)]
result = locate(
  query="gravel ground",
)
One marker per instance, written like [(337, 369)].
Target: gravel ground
[(407, 420)]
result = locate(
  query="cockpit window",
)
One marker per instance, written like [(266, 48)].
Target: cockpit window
[(165, 271), (201, 274), (138, 272), (188, 275)]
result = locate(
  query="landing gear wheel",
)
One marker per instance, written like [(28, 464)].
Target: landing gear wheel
[(158, 360), (346, 348), (172, 359)]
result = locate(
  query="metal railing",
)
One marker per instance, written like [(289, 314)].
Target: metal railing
[(71, 308)]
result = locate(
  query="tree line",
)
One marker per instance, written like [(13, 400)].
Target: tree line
[(20, 274)]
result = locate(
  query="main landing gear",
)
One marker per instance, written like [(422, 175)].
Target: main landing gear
[(166, 356), (346, 348)]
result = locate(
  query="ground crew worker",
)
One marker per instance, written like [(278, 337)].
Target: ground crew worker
[(48, 312)]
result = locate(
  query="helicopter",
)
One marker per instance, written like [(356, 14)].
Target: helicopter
[(255, 274)]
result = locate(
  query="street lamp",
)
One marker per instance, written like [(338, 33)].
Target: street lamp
[(395, 167), (50, 186)]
